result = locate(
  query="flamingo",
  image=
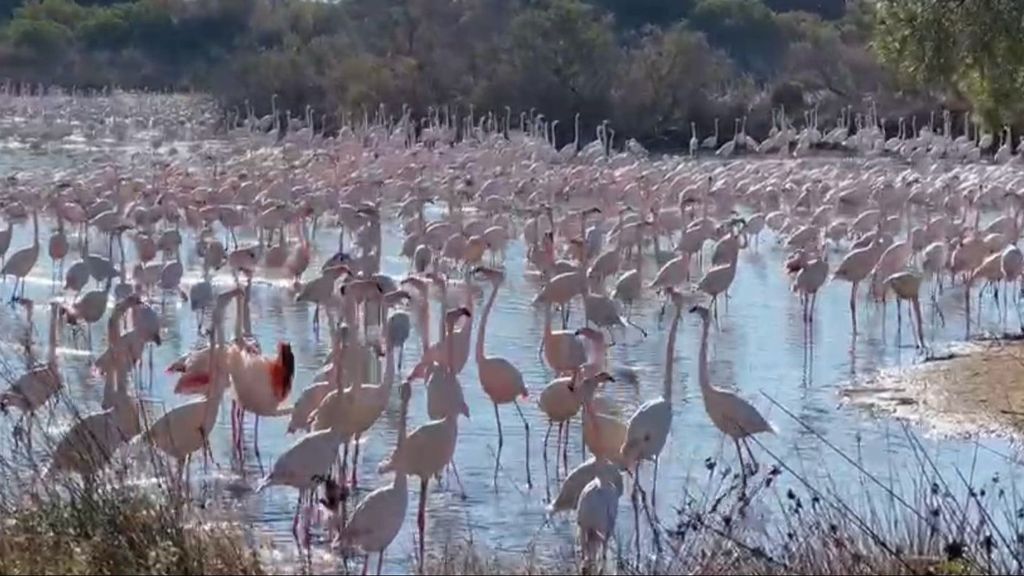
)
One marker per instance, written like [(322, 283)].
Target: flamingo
[(501, 381), (20, 263), (377, 520), (562, 351), (5, 240), (731, 414), (185, 429), (578, 478), (907, 286), (58, 248), (261, 383), (647, 430), (596, 512), (38, 385), (88, 445), (307, 462)]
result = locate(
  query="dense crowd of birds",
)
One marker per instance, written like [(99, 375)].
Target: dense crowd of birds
[(590, 216)]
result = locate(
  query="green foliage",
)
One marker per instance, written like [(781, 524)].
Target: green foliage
[(825, 9), (974, 48), (563, 55), (650, 66), (43, 40), (104, 30), (632, 14), (666, 78), (746, 29)]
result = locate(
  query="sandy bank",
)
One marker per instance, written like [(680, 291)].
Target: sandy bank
[(977, 389)]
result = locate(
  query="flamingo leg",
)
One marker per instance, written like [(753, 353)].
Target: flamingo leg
[(501, 444), (754, 466), (635, 498), (853, 306), (421, 518), (344, 462), (380, 562), (295, 519), (654, 489), (526, 428), (558, 443), (458, 479), (899, 323), (256, 442), (743, 467), (355, 462)]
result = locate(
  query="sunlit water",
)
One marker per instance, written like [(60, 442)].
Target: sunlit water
[(760, 348)]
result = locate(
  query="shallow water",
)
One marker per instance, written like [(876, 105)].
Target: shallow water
[(760, 348)]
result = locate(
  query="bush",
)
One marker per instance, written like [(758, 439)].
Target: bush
[(789, 95), (665, 79), (635, 63), (43, 40), (104, 30)]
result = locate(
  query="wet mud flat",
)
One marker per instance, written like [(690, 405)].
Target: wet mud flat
[(972, 388)]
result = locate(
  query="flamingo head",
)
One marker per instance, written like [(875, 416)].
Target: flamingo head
[(492, 275), (337, 269), (452, 316), (591, 334), (415, 282), (287, 359), (634, 447), (589, 386), (701, 311), (676, 296), (397, 296)]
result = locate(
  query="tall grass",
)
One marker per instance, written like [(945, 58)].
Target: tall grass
[(107, 523)]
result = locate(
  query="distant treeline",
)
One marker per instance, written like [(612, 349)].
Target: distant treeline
[(650, 67)]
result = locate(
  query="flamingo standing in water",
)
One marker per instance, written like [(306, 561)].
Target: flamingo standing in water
[(734, 416), (186, 429), (20, 263), (378, 519), (427, 451), (501, 381), (307, 462), (36, 386), (88, 445), (647, 430)]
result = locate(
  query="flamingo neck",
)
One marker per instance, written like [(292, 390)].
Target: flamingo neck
[(449, 346), (336, 367), (444, 304), (702, 359), (547, 321), (482, 334), (54, 327), (388, 380), (670, 354)]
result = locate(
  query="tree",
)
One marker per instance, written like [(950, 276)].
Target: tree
[(562, 56), (826, 9), (7, 8), (973, 48), (41, 40), (665, 78), (746, 30), (632, 14)]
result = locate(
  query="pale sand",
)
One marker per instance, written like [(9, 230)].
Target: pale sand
[(979, 390)]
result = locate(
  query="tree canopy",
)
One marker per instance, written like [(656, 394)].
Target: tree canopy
[(649, 66), (974, 49)]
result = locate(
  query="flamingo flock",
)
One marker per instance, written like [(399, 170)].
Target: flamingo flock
[(599, 229)]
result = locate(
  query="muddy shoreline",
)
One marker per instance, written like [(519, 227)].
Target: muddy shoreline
[(976, 388)]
